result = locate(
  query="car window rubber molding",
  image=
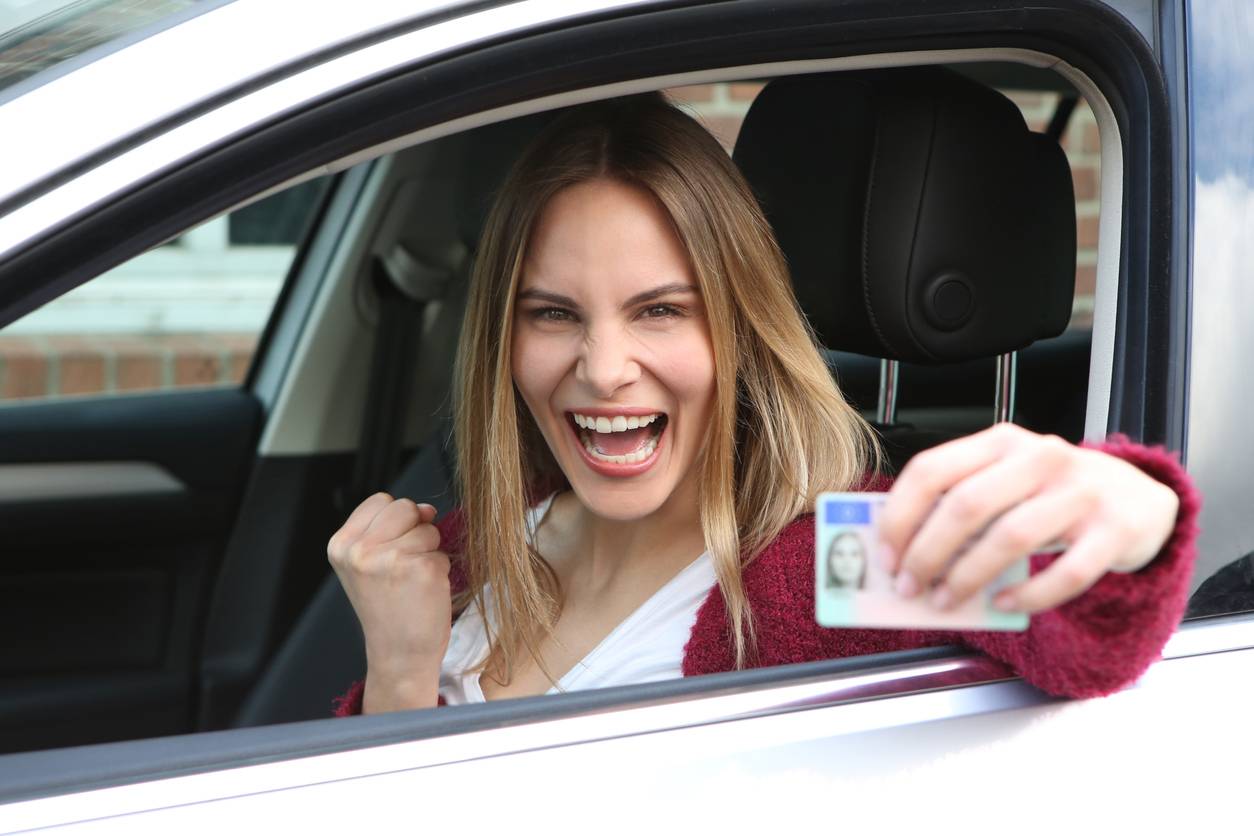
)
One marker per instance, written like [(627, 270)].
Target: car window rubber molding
[(1172, 31)]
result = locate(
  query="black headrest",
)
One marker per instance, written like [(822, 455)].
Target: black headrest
[(921, 219)]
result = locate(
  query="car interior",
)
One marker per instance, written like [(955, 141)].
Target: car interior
[(810, 146), (932, 239)]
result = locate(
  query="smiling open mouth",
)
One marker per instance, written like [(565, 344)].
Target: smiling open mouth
[(619, 439)]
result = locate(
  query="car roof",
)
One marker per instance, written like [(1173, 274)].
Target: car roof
[(166, 70), (144, 109)]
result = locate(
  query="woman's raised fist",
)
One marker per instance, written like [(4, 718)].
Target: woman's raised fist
[(387, 556)]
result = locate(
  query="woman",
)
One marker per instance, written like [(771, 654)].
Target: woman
[(846, 562), (643, 423)]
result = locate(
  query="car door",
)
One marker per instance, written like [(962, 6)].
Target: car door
[(870, 711), (128, 436)]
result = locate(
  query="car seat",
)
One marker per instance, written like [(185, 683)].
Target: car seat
[(323, 651), (921, 219)]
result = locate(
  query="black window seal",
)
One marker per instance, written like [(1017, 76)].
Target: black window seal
[(1172, 46)]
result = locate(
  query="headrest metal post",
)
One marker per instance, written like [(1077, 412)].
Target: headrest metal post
[(1004, 397), (886, 408)]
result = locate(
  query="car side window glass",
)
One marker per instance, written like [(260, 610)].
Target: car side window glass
[(1221, 172), (186, 314)]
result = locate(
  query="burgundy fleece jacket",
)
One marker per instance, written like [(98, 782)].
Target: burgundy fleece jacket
[(1093, 645)]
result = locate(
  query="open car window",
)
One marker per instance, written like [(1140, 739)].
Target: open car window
[(413, 202)]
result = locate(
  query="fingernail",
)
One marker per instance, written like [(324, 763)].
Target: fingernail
[(907, 586), (1004, 601), (888, 558), (942, 598)]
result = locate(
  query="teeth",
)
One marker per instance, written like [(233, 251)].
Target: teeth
[(630, 458), (615, 424)]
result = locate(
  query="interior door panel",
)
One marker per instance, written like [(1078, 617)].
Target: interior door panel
[(114, 511)]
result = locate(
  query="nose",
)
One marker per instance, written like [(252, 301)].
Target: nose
[(606, 363)]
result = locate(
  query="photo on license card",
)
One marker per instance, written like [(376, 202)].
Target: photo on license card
[(852, 589)]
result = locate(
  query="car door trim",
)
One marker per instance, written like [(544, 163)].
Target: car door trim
[(21, 483), (879, 691)]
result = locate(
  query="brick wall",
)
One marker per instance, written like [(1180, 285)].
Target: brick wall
[(45, 365), (38, 366), (1083, 148)]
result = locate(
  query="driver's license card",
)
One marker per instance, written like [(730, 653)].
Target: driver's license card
[(852, 588)]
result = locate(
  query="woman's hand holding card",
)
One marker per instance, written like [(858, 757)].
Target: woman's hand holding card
[(1000, 494)]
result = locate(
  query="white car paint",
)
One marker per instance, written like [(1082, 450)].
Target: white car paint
[(986, 757)]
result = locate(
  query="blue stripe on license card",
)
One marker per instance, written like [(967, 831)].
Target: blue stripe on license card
[(844, 512)]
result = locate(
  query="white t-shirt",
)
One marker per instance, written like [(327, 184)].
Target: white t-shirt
[(648, 646)]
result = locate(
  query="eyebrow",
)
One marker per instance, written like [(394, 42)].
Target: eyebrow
[(639, 298)]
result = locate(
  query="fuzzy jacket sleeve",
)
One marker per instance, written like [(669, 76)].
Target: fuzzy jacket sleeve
[(1095, 644), (452, 531)]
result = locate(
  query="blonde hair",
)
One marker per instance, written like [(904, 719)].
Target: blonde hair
[(780, 433)]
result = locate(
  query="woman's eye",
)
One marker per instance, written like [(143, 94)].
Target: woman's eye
[(552, 315), (662, 311)]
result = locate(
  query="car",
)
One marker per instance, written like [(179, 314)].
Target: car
[(234, 244)]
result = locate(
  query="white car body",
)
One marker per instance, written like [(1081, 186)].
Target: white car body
[(939, 741)]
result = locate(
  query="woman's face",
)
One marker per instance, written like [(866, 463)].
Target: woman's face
[(845, 560), (611, 348)]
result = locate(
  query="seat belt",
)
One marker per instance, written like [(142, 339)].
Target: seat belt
[(404, 286)]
